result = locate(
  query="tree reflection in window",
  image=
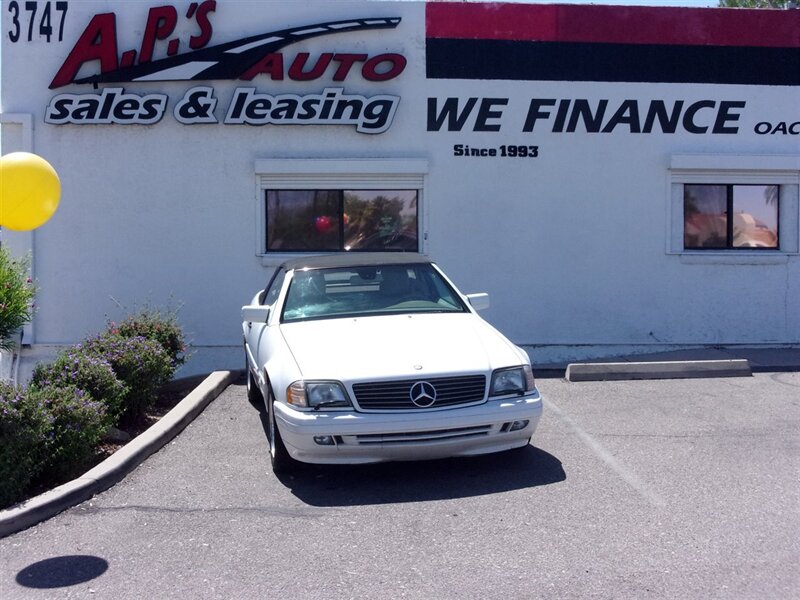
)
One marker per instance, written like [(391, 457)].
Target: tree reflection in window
[(341, 220), (723, 216)]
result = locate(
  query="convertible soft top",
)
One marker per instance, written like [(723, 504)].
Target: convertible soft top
[(355, 259)]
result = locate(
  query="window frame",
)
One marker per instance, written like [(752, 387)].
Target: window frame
[(275, 283), (337, 174), (734, 169)]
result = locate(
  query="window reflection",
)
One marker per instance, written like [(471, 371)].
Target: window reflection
[(303, 220), (730, 216), (755, 216), (705, 213), (380, 220), (342, 220)]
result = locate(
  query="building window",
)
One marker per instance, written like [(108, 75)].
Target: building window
[(339, 205), (341, 220), (725, 216), (724, 208)]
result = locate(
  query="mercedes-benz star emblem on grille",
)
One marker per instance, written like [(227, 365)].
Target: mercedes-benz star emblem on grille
[(423, 394)]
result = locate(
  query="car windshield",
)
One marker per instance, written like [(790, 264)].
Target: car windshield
[(373, 290)]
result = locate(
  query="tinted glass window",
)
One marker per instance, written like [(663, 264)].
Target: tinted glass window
[(326, 293), (274, 289), (341, 220), (730, 216)]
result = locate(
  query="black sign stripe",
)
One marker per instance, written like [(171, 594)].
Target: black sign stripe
[(570, 61)]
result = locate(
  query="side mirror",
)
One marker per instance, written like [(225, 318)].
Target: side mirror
[(255, 313), (479, 301)]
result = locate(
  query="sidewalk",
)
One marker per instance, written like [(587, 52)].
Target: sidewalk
[(685, 363)]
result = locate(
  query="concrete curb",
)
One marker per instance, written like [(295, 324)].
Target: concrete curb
[(118, 465), (658, 370)]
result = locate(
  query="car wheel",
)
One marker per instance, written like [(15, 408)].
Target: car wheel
[(522, 449), (279, 456), (254, 395)]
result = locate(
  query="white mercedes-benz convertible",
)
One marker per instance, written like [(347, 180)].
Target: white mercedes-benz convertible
[(364, 357)]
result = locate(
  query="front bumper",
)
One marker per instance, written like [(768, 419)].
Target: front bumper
[(418, 435)]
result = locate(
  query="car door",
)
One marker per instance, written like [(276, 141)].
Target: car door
[(257, 331)]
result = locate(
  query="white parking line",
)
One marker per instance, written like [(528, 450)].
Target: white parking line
[(604, 455)]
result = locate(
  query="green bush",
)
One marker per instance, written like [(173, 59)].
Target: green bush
[(78, 423), (24, 429), (50, 431), (141, 364), (85, 371), (157, 326), (16, 296)]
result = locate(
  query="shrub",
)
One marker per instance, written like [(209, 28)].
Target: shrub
[(88, 372), (141, 364), (24, 428), (156, 326), (78, 423), (16, 296)]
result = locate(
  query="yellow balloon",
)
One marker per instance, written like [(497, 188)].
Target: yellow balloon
[(29, 191)]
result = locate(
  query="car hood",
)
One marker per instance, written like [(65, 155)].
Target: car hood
[(396, 346)]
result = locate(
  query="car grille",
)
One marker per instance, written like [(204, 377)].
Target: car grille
[(417, 437), (396, 395)]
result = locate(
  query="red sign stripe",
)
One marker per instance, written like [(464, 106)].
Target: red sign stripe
[(614, 24)]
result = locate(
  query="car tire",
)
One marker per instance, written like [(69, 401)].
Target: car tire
[(519, 450), (282, 462), (254, 395)]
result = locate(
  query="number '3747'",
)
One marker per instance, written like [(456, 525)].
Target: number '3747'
[(37, 18)]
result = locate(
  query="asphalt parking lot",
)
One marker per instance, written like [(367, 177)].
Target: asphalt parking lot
[(631, 489)]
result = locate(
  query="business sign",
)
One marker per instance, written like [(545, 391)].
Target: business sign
[(569, 43), (247, 59)]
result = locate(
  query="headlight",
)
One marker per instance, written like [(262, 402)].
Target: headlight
[(516, 380), (317, 394)]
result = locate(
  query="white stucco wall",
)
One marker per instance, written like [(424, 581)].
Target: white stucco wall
[(572, 246)]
